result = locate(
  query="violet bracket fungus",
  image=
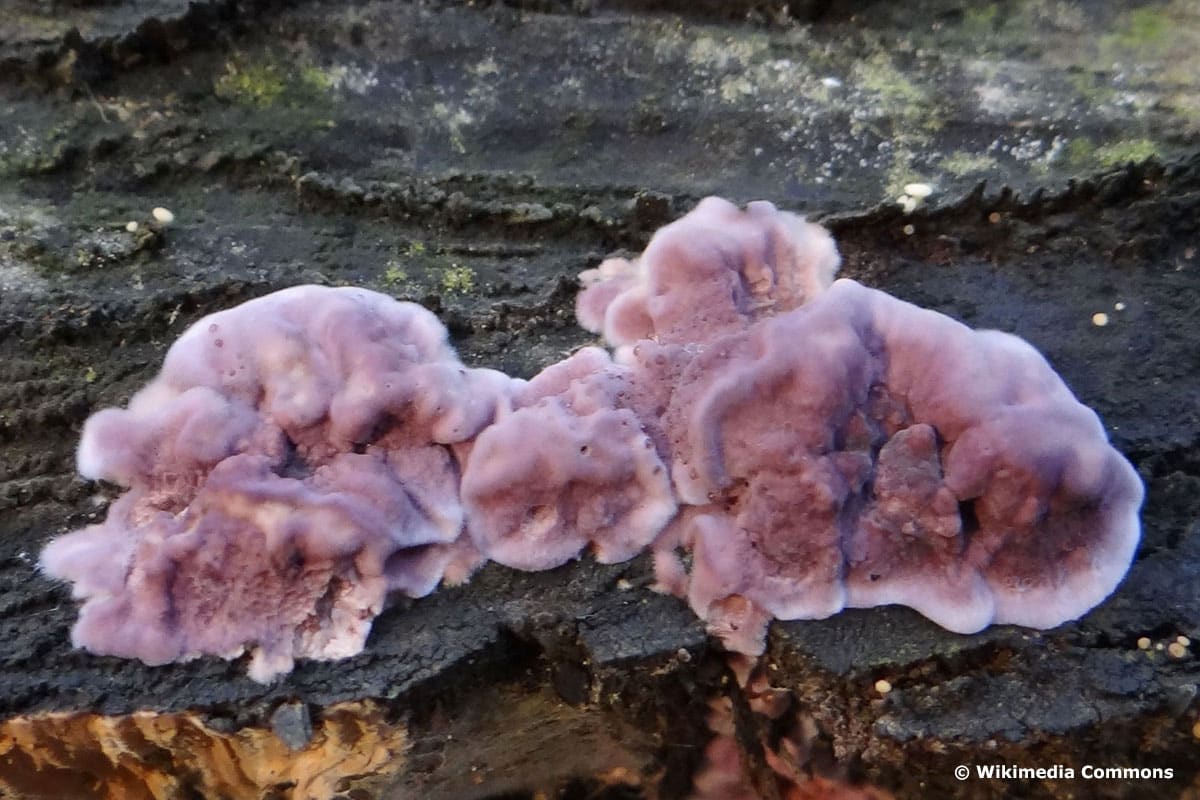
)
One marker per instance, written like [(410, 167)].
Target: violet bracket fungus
[(292, 464), (785, 444)]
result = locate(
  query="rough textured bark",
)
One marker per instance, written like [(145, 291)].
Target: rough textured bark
[(475, 157)]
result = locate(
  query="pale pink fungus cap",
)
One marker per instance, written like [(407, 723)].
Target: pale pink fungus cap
[(568, 468), (788, 445), (290, 466), (861, 451), (711, 272)]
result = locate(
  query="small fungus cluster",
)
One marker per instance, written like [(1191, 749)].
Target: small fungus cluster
[(786, 444), (292, 464)]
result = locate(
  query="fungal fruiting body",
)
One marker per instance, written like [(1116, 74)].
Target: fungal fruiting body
[(843, 448), (567, 468), (713, 271), (788, 446), (860, 451), (291, 465)]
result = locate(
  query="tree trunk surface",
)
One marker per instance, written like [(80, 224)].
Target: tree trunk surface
[(475, 157)]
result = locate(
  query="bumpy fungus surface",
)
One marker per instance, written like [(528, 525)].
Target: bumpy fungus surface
[(713, 271), (291, 465), (788, 448), (570, 466), (861, 451), (840, 447)]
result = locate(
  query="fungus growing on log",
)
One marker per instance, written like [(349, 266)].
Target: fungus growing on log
[(860, 451), (291, 465), (786, 446), (711, 272), (570, 466)]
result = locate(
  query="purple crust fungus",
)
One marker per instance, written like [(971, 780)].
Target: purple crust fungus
[(567, 468), (853, 450), (291, 465), (712, 271), (860, 451), (787, 445)]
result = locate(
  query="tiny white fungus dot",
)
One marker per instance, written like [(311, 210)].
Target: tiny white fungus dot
[(1119, 306), (131, 226), (918, 190), (163, 215), (882, 686), (1183, 640), (1099, 319), (1144, 643), (909, 230), (1176, 650)]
